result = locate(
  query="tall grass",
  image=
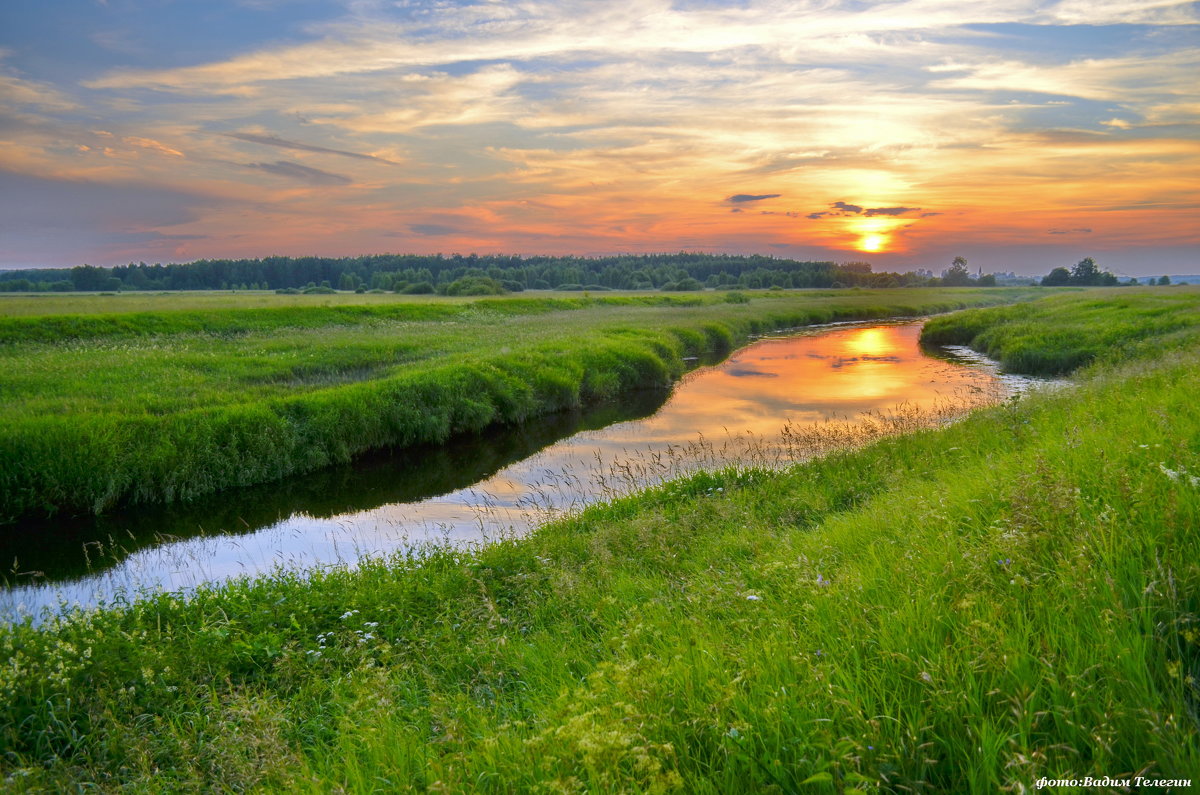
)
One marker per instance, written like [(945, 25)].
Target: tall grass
[(967, 609), (169, 405), (1064, 332)]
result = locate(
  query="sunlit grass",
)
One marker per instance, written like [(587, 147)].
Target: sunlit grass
[(182, 401), (1063, 332), (962, 609)]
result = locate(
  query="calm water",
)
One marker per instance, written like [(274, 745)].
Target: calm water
[(504, 483)]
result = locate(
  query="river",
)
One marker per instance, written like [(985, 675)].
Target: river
[(777, 400)]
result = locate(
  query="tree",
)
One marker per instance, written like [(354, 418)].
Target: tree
[(1085, 272), (1059, 277), (1164, 280), (89, 278), (957, 274)]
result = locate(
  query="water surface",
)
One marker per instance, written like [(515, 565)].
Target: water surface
[(504, 482)]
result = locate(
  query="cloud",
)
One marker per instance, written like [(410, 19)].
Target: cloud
[(872, 212), (152, 145), (88, 221), (434, 229), (843, 210), (16, 91), (372, 38), (274, 140), (313, 176), (1123, 79), (576, 127), (738, 198), (1080, 231)]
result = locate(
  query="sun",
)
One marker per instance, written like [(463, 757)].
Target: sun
[(872, 243)]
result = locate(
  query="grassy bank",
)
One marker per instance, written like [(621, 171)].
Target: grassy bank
[(159, 404), (1010, 597), (1067, 331)]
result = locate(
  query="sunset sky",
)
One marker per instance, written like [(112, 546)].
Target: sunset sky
[(1021, 135)]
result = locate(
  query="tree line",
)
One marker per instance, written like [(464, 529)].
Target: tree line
[(436, 273), (1086, 273)]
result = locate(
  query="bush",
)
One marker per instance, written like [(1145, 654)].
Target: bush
[(420, 288), (687, 284), (475, 285)]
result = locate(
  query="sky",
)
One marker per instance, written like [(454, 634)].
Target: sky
[(1021, 135)]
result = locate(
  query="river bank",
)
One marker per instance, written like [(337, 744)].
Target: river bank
[(164, 406)]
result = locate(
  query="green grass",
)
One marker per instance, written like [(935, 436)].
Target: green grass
[(1014, 596), (158, 404), (1064, 332)]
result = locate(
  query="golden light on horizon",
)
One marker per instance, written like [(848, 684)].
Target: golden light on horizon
[(872, 243), (874, 233)]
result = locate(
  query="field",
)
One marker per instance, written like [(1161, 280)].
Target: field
[(1013, 596), (167, 397)]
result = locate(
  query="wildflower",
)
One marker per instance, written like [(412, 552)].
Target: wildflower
[(754, 598), (370, 624), (1177, 474), (348, 614), (824, 583), (1004, 562), (925, 677)]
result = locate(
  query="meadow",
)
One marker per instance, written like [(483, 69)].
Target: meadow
[(163, 398), (967, 609)]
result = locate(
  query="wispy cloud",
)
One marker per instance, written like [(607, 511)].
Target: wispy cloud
[(576, 126), (740, 198), (842, 209), (152, 145), (274, 140), (313, 176)]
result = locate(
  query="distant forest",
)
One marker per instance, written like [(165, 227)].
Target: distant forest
[(414, 273)]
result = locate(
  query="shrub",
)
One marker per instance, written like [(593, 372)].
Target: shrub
[(687, 284), (475, 285)]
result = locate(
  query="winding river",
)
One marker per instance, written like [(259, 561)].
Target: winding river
[(777, 400)]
